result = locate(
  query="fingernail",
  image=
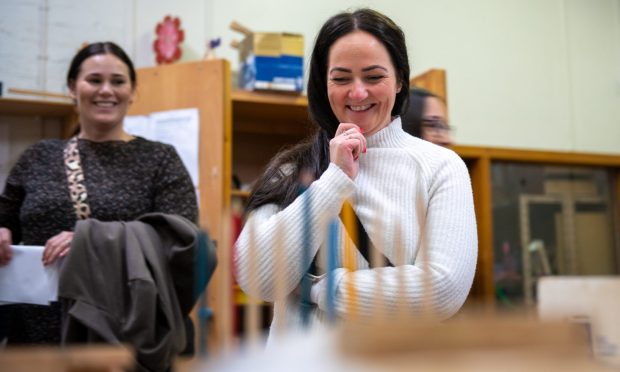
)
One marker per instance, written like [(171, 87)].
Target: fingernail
[(361, 130), (357, 157), (365, 150)]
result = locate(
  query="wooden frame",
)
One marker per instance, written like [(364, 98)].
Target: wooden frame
[(479, 160)]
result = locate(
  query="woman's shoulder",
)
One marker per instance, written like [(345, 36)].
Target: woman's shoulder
[(152, 148), (41, 154), (49, 143), (45, 146), (430, 155), (151, 144)]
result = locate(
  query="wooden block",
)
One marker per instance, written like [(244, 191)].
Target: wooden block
[(69, 359)]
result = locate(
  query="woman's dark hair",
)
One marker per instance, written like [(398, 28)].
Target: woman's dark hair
[(412, 117), (280, 184), (93, 49)]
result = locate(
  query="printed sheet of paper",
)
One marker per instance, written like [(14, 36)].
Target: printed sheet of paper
[(26, 280)]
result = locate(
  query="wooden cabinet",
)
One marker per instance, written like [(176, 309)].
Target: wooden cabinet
[(263, 123), (24, 122), (480, 161)]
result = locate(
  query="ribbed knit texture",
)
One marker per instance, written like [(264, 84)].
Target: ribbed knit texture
[(404, 184)]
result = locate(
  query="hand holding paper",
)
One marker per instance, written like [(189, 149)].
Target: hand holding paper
[(26, 280)]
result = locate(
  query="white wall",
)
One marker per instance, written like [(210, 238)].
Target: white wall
[(39, 37), (540, 74)]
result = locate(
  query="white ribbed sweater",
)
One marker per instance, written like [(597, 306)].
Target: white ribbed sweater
[(401, 179)]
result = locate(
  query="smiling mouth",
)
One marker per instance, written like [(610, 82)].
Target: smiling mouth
[(105, 104), (360, 108)]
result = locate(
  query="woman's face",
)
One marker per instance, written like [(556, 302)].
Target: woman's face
[(435, 126), (361, 81), (102, 91)]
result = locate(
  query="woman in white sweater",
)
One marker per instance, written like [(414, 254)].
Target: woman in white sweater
[(413, 198)]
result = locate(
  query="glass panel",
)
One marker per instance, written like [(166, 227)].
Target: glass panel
[(549, 220)]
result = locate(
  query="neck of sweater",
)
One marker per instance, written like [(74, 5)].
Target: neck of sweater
[(390, 136)]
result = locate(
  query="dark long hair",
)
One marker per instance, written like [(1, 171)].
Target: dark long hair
[(412, 116), (280, 184), (93, 49)]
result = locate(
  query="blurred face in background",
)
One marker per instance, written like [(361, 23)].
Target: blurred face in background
[(435, 126)]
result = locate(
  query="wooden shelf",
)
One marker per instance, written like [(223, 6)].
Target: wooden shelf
[(269, 98), (15, 106), (535, 156), (65, 111), (264, 123), (270, 114)]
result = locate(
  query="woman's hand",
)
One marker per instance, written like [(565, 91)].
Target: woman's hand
[(57, 247), (5, 246), (346, 147)]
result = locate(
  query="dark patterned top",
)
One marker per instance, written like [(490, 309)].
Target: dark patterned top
[(124, 180)]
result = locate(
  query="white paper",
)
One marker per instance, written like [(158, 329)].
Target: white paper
[(179, 128), (25, 280), (138, 126)]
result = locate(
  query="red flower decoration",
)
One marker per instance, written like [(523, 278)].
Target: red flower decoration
[(169, 38)]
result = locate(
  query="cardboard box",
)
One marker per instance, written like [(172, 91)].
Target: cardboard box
[(272, 61)]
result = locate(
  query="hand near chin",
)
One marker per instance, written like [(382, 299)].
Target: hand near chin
[(346, 147), (57, 247)]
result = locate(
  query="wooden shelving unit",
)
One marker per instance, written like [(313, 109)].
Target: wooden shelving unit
[(65, 111), (264, 123)]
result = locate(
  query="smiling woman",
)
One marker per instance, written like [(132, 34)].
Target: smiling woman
[(413, 200), (102, 86), (362, 83), (101, 173)]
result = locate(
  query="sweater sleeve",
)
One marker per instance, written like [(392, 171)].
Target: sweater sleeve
[(441, 274), (269, 250), (174, 192), (13, 196)]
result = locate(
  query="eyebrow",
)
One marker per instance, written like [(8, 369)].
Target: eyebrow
[(101, 74), (365, 69)]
